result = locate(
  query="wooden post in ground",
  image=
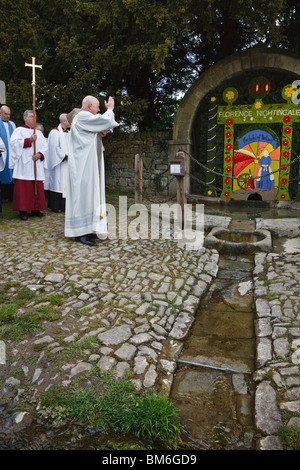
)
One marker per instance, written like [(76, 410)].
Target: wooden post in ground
[(181, 196), (138, 171), (177, 168)]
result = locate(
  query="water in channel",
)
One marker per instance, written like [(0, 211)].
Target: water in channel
[(213, 386)]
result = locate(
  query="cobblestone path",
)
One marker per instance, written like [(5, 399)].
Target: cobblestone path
[(135, 298), (127, 305)]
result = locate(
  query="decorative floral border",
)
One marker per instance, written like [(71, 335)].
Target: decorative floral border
[(230, 95)]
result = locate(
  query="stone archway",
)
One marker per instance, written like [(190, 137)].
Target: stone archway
[(233, 66)]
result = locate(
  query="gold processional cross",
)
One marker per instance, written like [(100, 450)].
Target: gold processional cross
[(34, 66)]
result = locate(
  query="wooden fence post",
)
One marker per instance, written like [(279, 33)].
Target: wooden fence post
[(181, 196), (177, 168), (138, 171)]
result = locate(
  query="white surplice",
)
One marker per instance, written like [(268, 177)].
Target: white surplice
[(58, 149), (20, 158), (2, 155), (85, 200)]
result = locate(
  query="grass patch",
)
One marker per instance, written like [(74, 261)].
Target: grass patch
[(47, 312), (290, 437), (81, 349), (25, 294), (84, 311), (116, 405), (20, 298), (54, 299), (16, 325), (7, 212), (7, 313)]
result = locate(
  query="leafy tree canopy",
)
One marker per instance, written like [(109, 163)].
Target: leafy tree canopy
[(143, 52)]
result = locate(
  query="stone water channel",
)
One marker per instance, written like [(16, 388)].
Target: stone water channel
[(221, 408), (213, 385)]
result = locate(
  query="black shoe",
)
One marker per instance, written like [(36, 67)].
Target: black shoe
[(84, 239), (92, 236), (38, 213), (23, 215)]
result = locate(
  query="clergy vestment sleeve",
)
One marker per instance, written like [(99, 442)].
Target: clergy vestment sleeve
[(17, 146), (96, 122)]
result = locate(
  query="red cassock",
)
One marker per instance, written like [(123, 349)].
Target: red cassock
[(24, 197)]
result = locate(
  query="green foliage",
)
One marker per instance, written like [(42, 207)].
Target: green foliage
[(16, 325), (290, 437), (116, 404), (54, 299), (154, 418), (26, 294), (7, 313), (142, 52), (80, 349)]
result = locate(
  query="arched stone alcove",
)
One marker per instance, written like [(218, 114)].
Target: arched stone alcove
[(239, 64)]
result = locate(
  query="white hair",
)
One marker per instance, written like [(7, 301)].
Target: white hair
[(63, 117)]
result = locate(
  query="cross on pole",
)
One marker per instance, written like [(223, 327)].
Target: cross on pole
[(34, 66)]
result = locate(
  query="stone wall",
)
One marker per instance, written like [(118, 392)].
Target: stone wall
[(119, 155)]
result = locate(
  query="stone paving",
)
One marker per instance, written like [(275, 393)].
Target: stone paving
[(135, 298), (127, 305), (277, 292)]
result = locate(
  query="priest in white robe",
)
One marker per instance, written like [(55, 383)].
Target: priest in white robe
[(56, 164), (22, 158), (85, 202), (2, 165)]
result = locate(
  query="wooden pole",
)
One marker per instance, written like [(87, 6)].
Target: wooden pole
[(181, 196), (138, 166), (181, 185), (34, 66), (34, 143)]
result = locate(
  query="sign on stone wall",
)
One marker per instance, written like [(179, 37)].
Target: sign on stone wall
[(256, 160)]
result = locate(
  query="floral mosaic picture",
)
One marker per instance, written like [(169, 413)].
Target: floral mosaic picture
[(256, 160)]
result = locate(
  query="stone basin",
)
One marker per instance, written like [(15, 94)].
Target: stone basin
[(235, 242)]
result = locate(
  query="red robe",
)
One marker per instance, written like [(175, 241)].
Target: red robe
[(24, 190)]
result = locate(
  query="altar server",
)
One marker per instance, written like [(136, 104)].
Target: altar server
[(22, 158)]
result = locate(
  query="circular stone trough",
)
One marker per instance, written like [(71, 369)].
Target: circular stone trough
[(235, 242)]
